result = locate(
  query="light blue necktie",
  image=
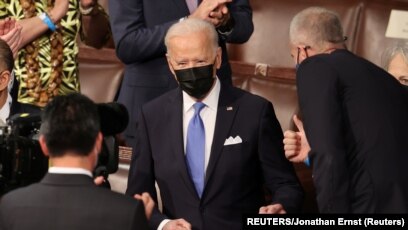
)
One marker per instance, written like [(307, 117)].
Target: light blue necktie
[(195, 148)]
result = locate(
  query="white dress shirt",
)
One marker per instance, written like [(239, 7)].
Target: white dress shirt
[(5, 110), (208, 115), (69, 170)]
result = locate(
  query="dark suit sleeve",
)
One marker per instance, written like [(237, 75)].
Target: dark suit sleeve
[(140, 221), (319, 97), (2, 216), (134, 41), (242, 13), (141, 173), (279, 174)]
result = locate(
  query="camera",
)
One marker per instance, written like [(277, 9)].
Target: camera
[(22, 161), (21, 158)]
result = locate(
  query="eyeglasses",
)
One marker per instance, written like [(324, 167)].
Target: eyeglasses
[(298, 53)]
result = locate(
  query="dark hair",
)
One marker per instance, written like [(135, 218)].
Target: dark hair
[(70, 123), (6, 56)]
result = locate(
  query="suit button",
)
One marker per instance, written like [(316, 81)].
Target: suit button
[(202, 210)]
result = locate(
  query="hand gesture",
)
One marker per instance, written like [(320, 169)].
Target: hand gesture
[(220, 16), (296, 145), (213, 11), (148, 203), (272, 209), (10, 32), (179, 224)]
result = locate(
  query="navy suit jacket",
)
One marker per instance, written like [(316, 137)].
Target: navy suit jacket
[(139, 28), (236, 174), (69, 201), (355, 117)]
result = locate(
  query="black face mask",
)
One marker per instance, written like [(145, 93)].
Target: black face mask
[(196, 81)]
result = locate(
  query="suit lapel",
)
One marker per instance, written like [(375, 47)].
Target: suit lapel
[(175, 115), (227, 109)]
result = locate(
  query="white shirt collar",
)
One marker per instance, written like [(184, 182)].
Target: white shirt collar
[(5, 110), (69, 170), (211, 101)]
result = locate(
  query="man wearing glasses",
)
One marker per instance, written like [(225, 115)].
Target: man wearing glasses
[(354, 118)]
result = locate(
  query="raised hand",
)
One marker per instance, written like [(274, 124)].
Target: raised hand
[(10, 32), (213, 11)]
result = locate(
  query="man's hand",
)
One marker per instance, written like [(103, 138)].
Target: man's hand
[(220, 16), (148, 203), (213, 11), (296, 146), (99, 180), (272, 209), (179, 224)]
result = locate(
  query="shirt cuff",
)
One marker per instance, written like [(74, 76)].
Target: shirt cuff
[(161, 225)]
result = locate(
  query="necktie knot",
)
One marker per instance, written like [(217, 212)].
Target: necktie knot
[(198, 106)]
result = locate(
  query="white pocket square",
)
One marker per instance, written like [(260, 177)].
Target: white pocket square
[(233, 141)]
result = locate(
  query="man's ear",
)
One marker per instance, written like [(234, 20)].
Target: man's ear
[(98, 143), (4, 79), (169, 63), (218, 58), (43, 146)]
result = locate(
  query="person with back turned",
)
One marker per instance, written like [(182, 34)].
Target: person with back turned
[(355, 120), (67, 198)]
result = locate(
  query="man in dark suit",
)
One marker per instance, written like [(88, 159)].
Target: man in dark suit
[(211, 147), (139, 27), (67, 197), (355, 119)]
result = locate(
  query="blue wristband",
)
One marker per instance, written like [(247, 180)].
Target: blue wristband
[(307, 162), (47, 20)]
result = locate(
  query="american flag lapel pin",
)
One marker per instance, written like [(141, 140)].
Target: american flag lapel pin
[(229, 108)]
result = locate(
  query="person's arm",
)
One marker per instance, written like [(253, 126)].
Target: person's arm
[(279, 174), (134, 41), (241, 14), (320, 103), (95, 27), (141, 173), (34, 27)]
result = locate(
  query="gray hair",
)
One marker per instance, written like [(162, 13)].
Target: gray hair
[(316, 26), (191, 25), (391, 52)]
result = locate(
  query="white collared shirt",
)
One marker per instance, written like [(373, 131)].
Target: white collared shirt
[(208, 115), (69, 170), (5, 110)]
